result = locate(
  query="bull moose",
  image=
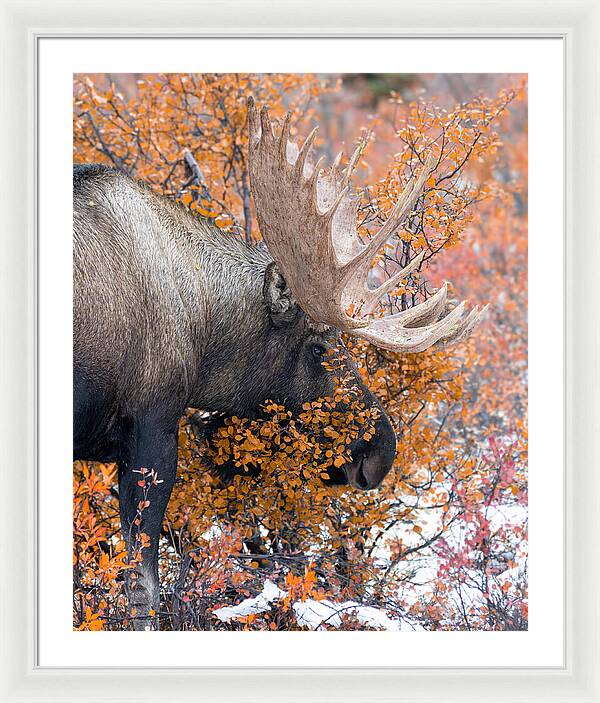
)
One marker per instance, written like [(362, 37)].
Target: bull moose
[(170, 312)]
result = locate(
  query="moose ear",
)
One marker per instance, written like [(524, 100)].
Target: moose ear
[(278, 298)]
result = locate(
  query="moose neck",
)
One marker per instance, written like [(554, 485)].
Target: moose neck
[(232, 321)]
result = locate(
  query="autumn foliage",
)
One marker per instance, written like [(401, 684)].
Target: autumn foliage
[(443, 543)]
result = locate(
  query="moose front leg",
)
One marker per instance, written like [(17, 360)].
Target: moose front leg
[(146, 479)]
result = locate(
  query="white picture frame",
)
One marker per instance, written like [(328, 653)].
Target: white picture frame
[(22, 26)]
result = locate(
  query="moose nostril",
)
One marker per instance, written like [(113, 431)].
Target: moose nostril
[(361, 479)]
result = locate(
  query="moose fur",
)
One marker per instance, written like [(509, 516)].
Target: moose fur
[(170, 313)]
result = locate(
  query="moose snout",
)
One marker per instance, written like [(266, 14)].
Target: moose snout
[(372, 461)]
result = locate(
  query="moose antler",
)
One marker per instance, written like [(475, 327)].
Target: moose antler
[(308, 220)]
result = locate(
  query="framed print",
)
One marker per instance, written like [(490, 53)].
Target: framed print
[(327, 396), (300, 499)]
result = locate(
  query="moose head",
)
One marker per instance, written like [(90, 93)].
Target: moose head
[(318, 272)]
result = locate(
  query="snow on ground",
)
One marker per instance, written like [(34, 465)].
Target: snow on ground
[(314, 614), (323, 614), (250, 606)]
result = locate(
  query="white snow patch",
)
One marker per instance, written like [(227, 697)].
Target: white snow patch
[(314, 614), (250, 606)]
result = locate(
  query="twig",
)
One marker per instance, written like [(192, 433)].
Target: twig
[(246, 204), (197, 176)]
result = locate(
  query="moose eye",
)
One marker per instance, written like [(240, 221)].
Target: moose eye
[(318, 351)]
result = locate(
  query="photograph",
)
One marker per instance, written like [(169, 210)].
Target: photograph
[(300, 352)]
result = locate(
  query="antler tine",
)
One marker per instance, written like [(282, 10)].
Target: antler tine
[(354, 159), (399, 212), (315, 176), (428, 311), (267, 135), (373, 297), (391, 332), (253, 128), (474, 318), (356, 270), (285, 137), (336, 162), (303, 153)]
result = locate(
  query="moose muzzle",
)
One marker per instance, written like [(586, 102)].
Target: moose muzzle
[(372, 461)]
